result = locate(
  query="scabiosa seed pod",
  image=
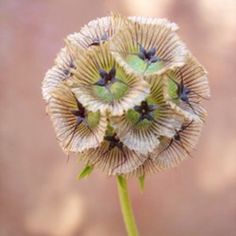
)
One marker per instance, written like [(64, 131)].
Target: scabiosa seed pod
[(125, 95)]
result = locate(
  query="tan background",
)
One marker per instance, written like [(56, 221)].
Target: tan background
[(39, 195)]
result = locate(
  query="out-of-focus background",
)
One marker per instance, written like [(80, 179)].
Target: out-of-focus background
[(39, 194)]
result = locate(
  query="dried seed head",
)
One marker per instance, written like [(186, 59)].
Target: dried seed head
[(126, 95)]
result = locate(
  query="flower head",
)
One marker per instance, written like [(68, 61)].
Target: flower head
[(125, 95)]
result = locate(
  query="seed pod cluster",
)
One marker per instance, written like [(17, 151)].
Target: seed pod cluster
[(125, 95)]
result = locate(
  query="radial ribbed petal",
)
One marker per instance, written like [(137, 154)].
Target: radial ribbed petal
[(194, 78), (127, 91), (74, 136), (147, 168), (115, 161), (142, 136), (195, 111), (172, 151), (142, 140), (154, 21), (65, 61), (97, 31), (184, 110), (52, 79), (170, 52)]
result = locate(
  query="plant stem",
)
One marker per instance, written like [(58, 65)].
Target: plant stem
[(126, 207)]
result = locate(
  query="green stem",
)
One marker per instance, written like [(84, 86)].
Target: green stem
[(126, 207)]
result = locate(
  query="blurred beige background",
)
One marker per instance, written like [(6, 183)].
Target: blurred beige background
[(39, 195)]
